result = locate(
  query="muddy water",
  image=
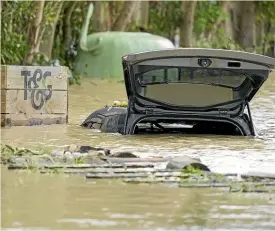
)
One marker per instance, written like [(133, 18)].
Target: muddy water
[(221, 153), (59, 202)]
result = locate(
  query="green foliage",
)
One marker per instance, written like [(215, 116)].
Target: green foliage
[(249, 187), (266, 14), (206, 16), (76, 79), (79, 160), (192, 169), (165, 17), (14, 20), (266, 11), (15, 24), (6, 153)]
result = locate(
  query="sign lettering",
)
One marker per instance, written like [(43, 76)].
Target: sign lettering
[(38, 96)]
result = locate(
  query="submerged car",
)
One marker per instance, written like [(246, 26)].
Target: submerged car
[(186, 90)]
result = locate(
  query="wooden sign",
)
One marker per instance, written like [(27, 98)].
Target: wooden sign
[(34, 95)]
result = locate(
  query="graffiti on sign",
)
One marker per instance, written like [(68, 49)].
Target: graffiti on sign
[(31, 85), (33, 122)]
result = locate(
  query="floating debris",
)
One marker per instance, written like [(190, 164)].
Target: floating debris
[(205, 185), (152, 180), (100, 163), (80, 155), (85, 166)]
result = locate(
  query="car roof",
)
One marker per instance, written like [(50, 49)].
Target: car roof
[(202, 52)]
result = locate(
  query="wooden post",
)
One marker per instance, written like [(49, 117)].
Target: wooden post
[(34, 95)]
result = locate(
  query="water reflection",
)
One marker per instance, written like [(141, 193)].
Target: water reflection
[(73, 203)]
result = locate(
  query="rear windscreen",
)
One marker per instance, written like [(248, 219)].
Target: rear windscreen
[(226, 78), (194, 87)]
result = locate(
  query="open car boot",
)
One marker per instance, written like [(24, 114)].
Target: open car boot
[(187, 90)]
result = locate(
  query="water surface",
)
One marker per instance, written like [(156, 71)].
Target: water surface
[(60, 202), (63, 202)]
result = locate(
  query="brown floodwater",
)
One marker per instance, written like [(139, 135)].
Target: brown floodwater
[(33, 201), (57, 202)]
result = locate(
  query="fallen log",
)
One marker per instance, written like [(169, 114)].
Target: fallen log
[(83, 166), (148, 180)]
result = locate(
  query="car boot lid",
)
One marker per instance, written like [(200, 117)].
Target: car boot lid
[(202, 52), (194, 79)]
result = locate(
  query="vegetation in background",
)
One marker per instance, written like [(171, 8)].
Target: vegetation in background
[(41, 32)]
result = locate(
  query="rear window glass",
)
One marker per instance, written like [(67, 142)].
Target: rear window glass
[(220, 77), (193, 87)]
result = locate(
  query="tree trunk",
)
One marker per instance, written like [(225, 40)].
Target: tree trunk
[(136, 14), (228, 23), (186, 30), (98, 17), (34, 36), (226, 9), (142, 18), (247, 26), (67, 24), (49, 34), (111, 14), (271, 45), (220, 22), (236, 19), (124, 17), (260, 33), (141, 15), (108, 16), (58, 8)]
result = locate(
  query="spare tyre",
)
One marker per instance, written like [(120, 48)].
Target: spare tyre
[(108, 119)]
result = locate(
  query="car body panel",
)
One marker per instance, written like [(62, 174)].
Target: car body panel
[(202, 52)]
